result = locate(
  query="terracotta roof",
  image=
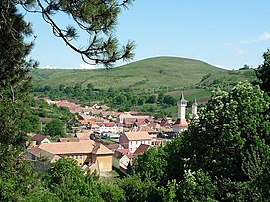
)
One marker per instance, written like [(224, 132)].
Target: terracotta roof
[(155, 125), (38, 137), (83, 135), (138, 135), (81, 147), (112, 147), (68, 140), (142, 148), (125, 115), (35, 151), (87, 121), (108, 124), (181, 123), (144, 118), (145, 128), (125, 152)]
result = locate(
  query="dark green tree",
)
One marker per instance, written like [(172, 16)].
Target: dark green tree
[(55, 128), (16, 174), (224, 154), (151, 165), (97, 18), (66, 180), (196, 186), (169, 100), (263, 73), (227, 128)]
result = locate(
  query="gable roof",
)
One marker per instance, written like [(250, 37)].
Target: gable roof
[(146, 129), (124, 152), (81, 147), (83, 135), (75, 139), (125, 115), (181, 123), (106, 124), (142, 148), (38, 137), (138, 135)]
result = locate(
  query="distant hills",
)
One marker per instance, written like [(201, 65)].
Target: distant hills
[(148, 75)]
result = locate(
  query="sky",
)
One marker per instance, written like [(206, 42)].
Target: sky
[(227, 34)]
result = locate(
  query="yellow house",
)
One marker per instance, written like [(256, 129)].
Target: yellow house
[(85, 152)]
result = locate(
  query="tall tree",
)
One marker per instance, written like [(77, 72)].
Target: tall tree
[(263, 73), (96, 17)]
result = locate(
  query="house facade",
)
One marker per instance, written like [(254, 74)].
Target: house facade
[(132, 140), (85, 152)]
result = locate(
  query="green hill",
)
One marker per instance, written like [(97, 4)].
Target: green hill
[(149, 74)]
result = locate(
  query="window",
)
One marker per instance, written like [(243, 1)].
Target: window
[(76, 156), (130, 142), (80, 156)]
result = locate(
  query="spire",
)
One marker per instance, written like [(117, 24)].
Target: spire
[(195, 102), (182, 99)]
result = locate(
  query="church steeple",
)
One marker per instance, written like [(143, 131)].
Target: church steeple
[(182, 103), (181, 123), (194, 108)]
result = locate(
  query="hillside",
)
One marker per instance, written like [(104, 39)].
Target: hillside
[(149, 74)]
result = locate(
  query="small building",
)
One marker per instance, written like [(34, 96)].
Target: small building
[(85, 152), (121, 118), (121, 159), (40, 139), (132, 140), (110, 127)]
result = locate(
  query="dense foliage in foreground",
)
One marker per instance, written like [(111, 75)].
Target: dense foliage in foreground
[(224, 156)]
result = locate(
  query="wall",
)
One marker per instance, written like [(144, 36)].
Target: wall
[(105, 162)]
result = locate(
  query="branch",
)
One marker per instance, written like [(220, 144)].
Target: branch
[(98, 51)]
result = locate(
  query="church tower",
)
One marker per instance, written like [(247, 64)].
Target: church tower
[(194, 109), (181, 123), (182, 104)]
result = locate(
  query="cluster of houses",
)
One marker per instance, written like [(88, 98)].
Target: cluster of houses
[(132, 134)]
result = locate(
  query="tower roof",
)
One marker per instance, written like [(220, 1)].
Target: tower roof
[(182, 99), (194, 102)]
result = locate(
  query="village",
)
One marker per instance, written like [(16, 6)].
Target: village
[(103, 139)]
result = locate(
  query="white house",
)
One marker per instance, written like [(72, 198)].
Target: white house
[(132, 140), (110, 127)]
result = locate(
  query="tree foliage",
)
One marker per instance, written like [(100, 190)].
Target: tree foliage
[(263, 72), (224, 155), (55, 128), (97, 18)]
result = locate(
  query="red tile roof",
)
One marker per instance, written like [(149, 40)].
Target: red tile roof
[(125, 151), (142, 148), (38, 137), (181, 123), (106, 124), (146, 128), (137, 136)]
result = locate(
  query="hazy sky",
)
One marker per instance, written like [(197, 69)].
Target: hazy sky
[(228, 33)]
